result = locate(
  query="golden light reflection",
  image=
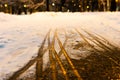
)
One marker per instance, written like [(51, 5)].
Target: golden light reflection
[(25, 5), (116, 0), (5, 5), (79, 5), (53, 4), (87, 7)]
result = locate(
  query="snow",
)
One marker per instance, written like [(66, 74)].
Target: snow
[(21, 35)]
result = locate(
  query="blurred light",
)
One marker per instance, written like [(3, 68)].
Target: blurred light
[(25, 5), (116, 0), (79, 5), (74, 4), (87, 7), (5, 5), (53, 4), (68, 10)]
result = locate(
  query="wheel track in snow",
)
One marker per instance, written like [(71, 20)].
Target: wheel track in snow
[(29, 64), (56, 58)]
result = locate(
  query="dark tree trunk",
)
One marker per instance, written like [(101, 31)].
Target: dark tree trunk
[(113, 5), (94, 5), (47, 4), (62, 4)]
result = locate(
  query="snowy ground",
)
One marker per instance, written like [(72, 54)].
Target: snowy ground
[(20, 36)]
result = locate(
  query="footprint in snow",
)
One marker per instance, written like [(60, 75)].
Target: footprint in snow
[(1, 37), (2, 45)]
